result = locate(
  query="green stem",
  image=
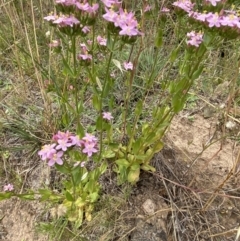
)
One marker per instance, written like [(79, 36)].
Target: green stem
[(77, 113), (101, 98)]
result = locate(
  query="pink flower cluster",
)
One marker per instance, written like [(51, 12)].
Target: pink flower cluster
[(216, 20), (225, 19), (126, 22), (75, 15), (185, 5), (62, 20), (195, 39), (53, 153), (82, 6)]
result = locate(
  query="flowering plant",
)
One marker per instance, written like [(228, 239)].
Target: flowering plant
[(105, 132)]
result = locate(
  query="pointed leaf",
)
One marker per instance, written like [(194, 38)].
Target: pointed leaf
[(123, 162), (117, 64), (69, 196)]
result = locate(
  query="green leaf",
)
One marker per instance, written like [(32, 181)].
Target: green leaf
[(99, 123), (45, 194), (26, 196), (79, 220), (178, 102), (147, 167), (129, 129), (80, 202), (197, 73), (103, 167), (201, 50), (149, 138), (145, 128), (207, 38), (69, 196), (159, 38), (5, 195), (109, 41), (62, 169), (133, 176), (135, 167), (158, 146), (141, 157), (117, 64), (80, 130), (65, 119), (139, 107), (123, 162), (108, 154), (107, 88), (96, 102), (77, 173), (94, 197), (99, 83), (67, 71), (136, 146), (174, 55), (84, 176)]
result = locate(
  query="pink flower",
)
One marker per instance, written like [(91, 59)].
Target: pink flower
[(195, 38), (110, 15), (8, 187), (47, 151), (213, 20), (101, 41), (107, 116), (231, 20), (89, 149), (199, 16), (76, 141), (63, 144), (84, 56), (85, 29), (84, 48), (89, 42), (147, 8), (89, 138), (56, 158), (111, 3), (51, 18), (213, 2), (185, 5), (165, 10), (128, 65), (83, 6), (61, 135), (64, 21), (66, 2), (93, 9)]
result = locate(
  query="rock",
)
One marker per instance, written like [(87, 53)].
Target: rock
[(149, 207)]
